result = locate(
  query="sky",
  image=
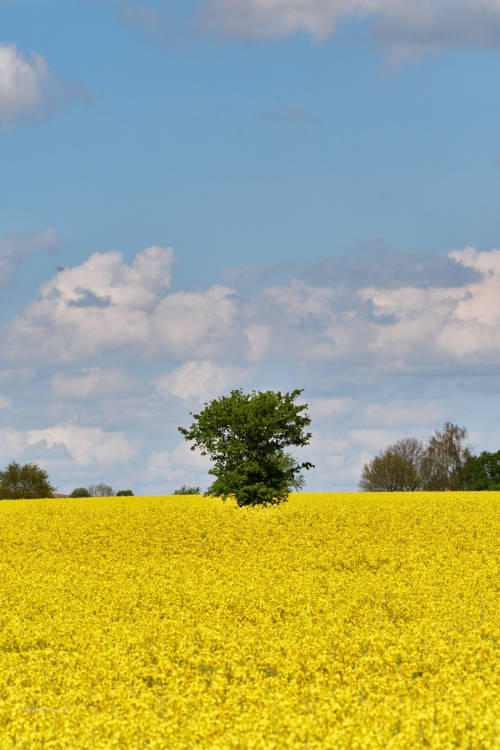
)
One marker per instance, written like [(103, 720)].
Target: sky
[(204, 195)]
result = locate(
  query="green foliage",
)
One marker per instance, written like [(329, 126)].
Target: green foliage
[(245, 436), (28, 481), (185, 490), (80, 492), (124, 493), (397, 469), (482, 472)]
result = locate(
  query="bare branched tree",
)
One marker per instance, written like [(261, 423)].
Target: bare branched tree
[(101, 490), (445, 458), (397, 469)]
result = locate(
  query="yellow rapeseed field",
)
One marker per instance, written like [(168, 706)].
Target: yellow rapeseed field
[(332, 621)]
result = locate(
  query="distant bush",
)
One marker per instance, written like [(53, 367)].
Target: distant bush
[(28, 481), (184, 490), (80, 492), (123, 493)]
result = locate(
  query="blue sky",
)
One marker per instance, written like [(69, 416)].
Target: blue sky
[(205, 195)]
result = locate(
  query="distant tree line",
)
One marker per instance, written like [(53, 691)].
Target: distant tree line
[(99, 490), (245, 436), (444, 463), (30, 481)]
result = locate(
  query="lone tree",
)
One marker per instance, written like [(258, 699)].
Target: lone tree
[(245, 436), (397, 469), (28, 481)]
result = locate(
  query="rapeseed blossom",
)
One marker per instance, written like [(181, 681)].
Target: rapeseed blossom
[(336, 621)]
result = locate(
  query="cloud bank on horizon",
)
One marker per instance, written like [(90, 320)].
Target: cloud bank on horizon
[(203, 343)]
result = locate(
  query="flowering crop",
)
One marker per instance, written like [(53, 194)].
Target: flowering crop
[(356, 620)]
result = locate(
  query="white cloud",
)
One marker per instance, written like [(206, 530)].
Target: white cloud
[(88, 446), (84, 447), (326, 408), (15, 249), (181, 464), (17, 376), (160, 466), (104, 306), (28, 86), (12, 442), (100, 305), (406, 28), (5, 402), (258, 337), (441, 325), (201, 380), (94, 383), (400, 414), (187, 323), (375, 439)]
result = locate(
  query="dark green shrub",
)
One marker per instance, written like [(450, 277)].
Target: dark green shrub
[(80, 492), (123, 493)]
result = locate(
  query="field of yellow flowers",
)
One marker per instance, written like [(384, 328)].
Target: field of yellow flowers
[(332, 621)]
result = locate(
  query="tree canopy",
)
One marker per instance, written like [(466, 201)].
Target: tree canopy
[(245, 436), (101, 489), (409, 465), (28, 481), (80, 492), (445, 457), (397, 469), (482, 472)]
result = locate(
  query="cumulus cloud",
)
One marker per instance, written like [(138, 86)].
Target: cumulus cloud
[(104, 306), (406, 28), (62, 329), (180, 464), (455, 324), (392, 270), (189, 322), (201, 380), (16, 249), (88, 446), (159, 27), (397, 413), (94, 383), (29, 87), (5, 402), (259, 337), (85, 446), (326, 408)]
